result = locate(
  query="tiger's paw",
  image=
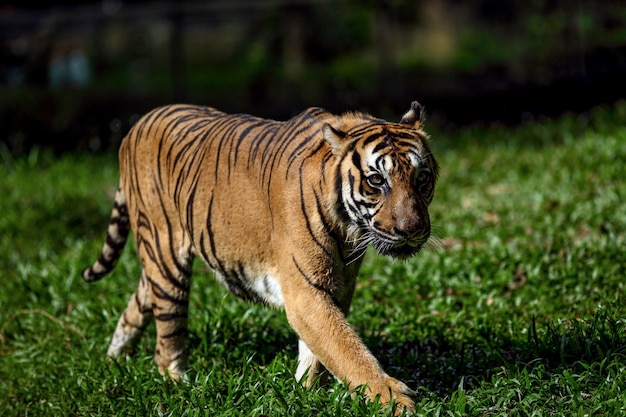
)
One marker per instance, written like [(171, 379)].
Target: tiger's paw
[(394, 391), (176, 370), (404, 404)]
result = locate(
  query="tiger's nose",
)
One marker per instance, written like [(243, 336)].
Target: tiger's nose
[(407, 228)]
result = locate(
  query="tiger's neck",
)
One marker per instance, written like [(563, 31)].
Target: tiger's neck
[(345, 232)]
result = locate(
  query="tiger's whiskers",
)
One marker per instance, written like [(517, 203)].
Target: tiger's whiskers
[(361, 244)]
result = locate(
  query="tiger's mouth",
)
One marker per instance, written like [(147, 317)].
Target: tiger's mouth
[(404, 251), (388, 245), (400, 250)]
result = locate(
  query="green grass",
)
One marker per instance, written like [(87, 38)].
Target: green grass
[(518, 310)]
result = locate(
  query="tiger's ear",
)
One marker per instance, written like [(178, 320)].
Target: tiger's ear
[(413, 117), (334, 137)]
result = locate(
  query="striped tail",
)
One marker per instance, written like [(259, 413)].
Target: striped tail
[(117, 233)]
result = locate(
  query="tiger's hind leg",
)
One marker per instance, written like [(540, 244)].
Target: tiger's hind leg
[(309, 365), (168, 276), (134, 320), (163, 294)]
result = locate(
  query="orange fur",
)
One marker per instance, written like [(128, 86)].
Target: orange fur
[(281, 211)]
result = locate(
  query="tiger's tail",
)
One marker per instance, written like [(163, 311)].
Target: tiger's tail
[(117, 232)]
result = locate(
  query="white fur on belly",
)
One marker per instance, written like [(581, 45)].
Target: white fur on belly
[(268, 289)]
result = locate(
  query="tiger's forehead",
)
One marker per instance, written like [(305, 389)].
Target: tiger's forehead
[(393, 162), (392, 131), (390, 134), (392, 147)]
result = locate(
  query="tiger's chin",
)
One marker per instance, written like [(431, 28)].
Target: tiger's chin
[(401, 252)]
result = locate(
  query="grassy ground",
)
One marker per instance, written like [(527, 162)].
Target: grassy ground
[(518, 310)]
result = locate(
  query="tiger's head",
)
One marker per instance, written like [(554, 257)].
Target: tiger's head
[(385, 181)]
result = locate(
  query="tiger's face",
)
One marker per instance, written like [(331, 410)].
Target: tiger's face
[(386, 181)]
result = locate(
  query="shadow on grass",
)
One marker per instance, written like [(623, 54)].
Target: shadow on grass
[(439, 364), (254, 335)]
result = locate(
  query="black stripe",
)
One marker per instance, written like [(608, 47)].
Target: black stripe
[(216, 132), (313, 284), (235, 285), (161, 294), (329, 228), (142, 309), (90, 276), (204, 253), (303, 208), (121, 222), (189, 166), (252, 125), (339, 190), (116, 245), (295, 127), (170, 316), (127, 322), (229, 136), (367, 125), (356, 160), (405, 144), (219, 266), (257, 141), (180, 332), (164, 270), (107, 263), (298, 152), (372, 137), (382, 145), (353, 196), (179, 266)]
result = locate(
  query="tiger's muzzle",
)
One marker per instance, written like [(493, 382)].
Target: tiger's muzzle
[(402, 244)]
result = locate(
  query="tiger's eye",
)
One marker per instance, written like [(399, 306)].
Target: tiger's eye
[(423, 177), (376, 180)]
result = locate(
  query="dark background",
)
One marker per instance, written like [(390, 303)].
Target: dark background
[(76, 75)]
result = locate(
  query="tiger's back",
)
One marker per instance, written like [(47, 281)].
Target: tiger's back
[(202, 172), (281, 211)]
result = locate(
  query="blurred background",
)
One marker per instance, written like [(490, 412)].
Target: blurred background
[(76, 75)]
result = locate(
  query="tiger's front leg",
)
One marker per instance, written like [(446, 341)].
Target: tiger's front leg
[(308, 363), (329, 339)]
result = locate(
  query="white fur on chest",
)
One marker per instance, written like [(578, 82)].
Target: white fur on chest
[(264, 289), (268, 289)]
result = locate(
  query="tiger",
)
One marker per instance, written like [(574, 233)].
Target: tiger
[(282, 212)]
